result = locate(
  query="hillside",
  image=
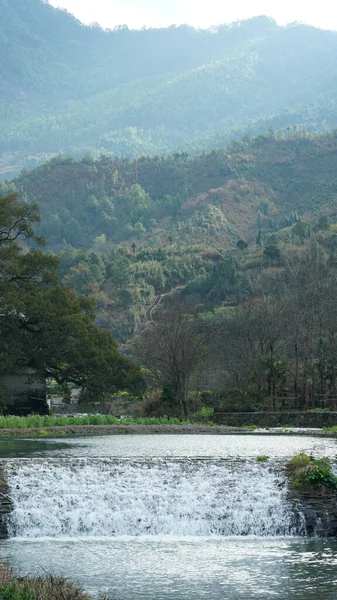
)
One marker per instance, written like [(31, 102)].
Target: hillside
[(242, 240), (126, 231), (213, 199), (72, 89)]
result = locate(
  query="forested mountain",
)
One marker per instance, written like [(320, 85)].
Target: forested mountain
[(70, 88), (126, 231), (214, 199)]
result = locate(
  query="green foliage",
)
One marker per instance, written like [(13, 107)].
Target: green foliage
[(242, 245), (129, 79), (262, 458), (45, 326), (272, 251), (304, 470), (17, 591), (204, 415), (45, 587), (237, 400), (39, 421)]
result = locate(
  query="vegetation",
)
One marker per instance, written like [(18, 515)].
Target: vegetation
[(41, 421), (331, 429), (305, 471), (154, 91), (45, 326), (127, 231), (173, 350), (218, 199), (262, 458), (240, 243), (46, 587)]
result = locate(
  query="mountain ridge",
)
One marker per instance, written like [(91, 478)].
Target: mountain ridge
[(213, 199), (70, 88)]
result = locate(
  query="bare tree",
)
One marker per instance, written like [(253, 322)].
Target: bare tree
[(173, 350)]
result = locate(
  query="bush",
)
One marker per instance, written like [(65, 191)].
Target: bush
[(204, 415), (237, 400), (304, 471)]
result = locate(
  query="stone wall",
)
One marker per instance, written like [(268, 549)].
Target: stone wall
[(318, 508), (274, 419)]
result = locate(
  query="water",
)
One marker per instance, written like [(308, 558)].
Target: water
[(180, 446), (167, 517), (159, 497)]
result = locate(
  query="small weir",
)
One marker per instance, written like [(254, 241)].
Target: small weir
[(72, 498)]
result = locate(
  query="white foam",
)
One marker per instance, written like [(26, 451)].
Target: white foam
[(74, 498)]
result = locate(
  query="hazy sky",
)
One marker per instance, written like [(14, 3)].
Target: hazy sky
[(154, 13)]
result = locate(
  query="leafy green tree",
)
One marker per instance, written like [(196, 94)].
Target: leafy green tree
[(272, 251), (46, 326), (242, 245)]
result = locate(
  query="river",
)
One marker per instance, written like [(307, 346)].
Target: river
[(161, 517)]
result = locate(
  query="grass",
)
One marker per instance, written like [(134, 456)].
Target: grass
[(262, 458), (306, 471), (43, 422), (47, 587)]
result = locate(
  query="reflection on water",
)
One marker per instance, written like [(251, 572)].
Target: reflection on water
[(11, 448)]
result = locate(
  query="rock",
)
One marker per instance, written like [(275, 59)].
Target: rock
[(318, 508), (6, 505)]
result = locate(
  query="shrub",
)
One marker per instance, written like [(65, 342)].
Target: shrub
[(238, 400), (262, 458), (304, 471), (204, 415), (46, 587)]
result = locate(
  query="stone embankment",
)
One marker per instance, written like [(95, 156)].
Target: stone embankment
[(5, 503), (318, 508), (277, 419)]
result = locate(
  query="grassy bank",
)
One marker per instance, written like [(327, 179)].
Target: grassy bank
[(46, 587), (38, 421)]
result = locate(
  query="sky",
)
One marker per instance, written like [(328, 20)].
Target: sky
[(199, 13)]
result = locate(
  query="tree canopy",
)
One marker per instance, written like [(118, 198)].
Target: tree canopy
[(46, 326)]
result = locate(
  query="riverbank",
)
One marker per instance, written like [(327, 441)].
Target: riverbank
[(45, 587), (139, 429)]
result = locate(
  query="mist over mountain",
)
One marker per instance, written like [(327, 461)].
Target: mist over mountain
[(69, 88)]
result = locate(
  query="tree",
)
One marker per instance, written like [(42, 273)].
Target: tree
[(242, 245), (173, 350), (48, 327), (272, 251)]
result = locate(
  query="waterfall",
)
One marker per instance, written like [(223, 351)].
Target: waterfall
[(128, 497)]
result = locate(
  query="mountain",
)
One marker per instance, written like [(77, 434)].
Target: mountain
[(212, 199), (74, 89), (218, 227)]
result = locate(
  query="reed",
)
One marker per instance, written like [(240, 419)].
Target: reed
[(46, 587)]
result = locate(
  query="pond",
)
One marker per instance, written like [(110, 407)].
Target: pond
[(166, 516)]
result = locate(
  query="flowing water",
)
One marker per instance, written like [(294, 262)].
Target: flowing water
[(166, 517)]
